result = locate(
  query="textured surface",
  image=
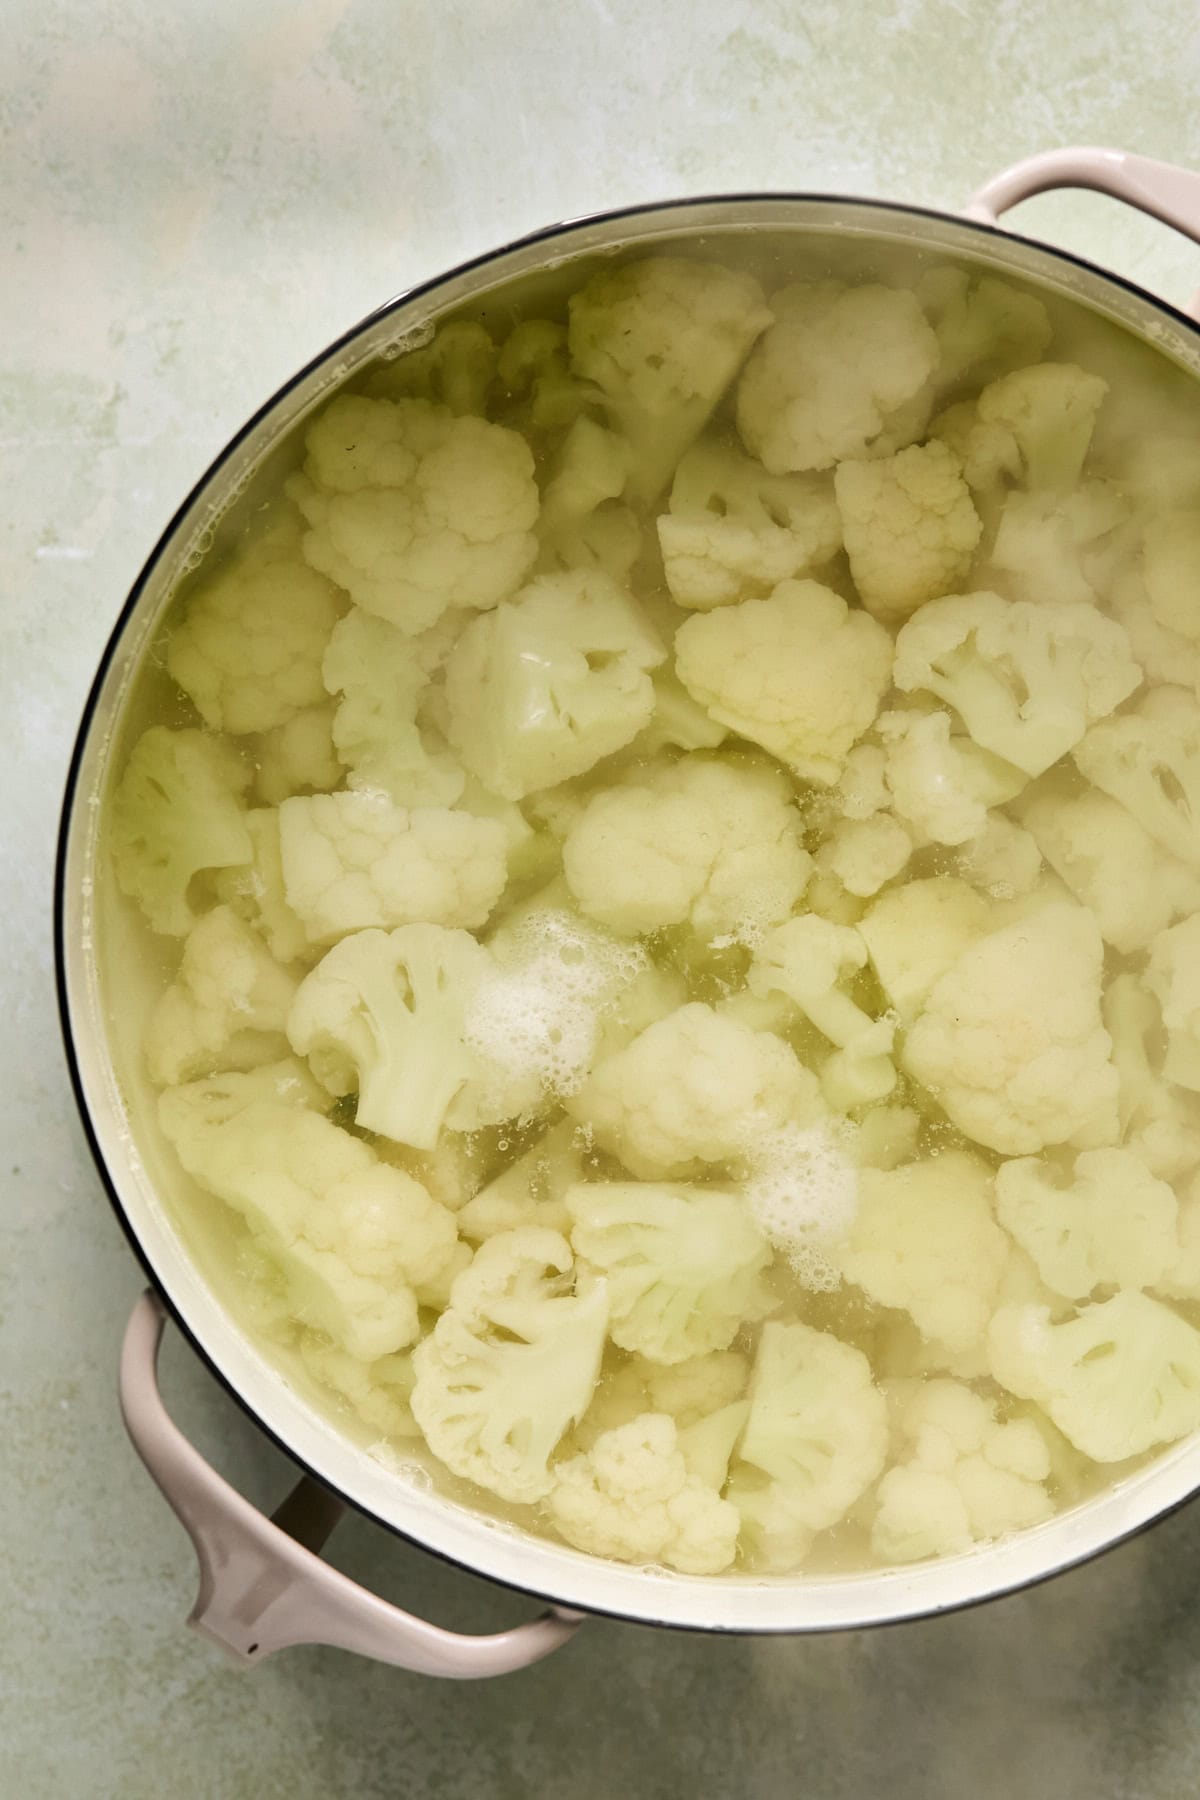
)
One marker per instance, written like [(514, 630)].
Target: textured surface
[(194, 199)]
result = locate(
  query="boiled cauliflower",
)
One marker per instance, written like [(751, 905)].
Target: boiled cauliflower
[(177, 811), (714, 843), (683, 1264), (810, 961), (660, 340), (456, 367), (227, 1007), (1026, 680), (1010, 1041), (1117, 1379), (1049, 412), (940, 781), (583, 524), (511, 1364), (298, 757), (1164, 655), (381, 675), (1161, 1123), (543, 687), (924, 1239), (413, 510), (255, 890), (1148, 759), (377, 1392), (865, 854), (915, 933), (798, 673), (694, 1089), (963, 1476), (1105, 1222), (909, 526), (631, 1497), (1173, 977), (354, 860), (1002, 859), (842, 372), (1055, 548), (983, 326), (733, 531), (248, 651), (530, 1191)]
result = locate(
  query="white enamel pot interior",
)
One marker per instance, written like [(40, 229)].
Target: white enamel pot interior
[(102, 1034)]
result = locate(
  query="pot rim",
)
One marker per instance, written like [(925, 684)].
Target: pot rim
[(586, 1594)]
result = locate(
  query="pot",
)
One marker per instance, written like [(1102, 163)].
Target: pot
[(263, 1584)]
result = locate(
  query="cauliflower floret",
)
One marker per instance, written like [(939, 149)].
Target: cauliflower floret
[(1166, 656), (862, 789), (456, 367), (530, 1191), (248, 651), (1159, 1122), (382, 675), (684, 1265), (298, 757), (1171, 572), (352, 1236), (661, 339), (718, 844), (940, 781), (227, 1007), (378, 1391), (354, 860), (1056, 548), (988, 454), (1109, 861), (1011, 1043), (983, 326), (865, 854), (924, 1239), (909, 525), (1026, 680), (412, 510), (255, 889), (1049, 411), (694, 1089), (1173, 977), (1117, 1379), (1001, 858), (817, 1426), (177, 810), (841, 372), (917, 932), (678, 720), (631, 1497), (511, 1364), (809, 959), (543, 395), (1149, 760), (582, 524), (798, 673), (702, 1394), (543, 687), (886, 1136), (1180, 1280), (733, 531), (964, 1477), (1108, 1222)]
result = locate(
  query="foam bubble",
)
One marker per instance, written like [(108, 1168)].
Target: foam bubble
[(802, 1189)]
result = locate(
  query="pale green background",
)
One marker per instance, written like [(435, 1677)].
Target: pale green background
[(196, 197)]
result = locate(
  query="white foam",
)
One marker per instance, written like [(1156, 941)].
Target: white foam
[(802, 1188)]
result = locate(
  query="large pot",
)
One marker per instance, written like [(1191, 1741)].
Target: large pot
[(263, 1584)]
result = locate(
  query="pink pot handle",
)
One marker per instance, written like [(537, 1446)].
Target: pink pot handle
[(263, 1585), (1158, 188)]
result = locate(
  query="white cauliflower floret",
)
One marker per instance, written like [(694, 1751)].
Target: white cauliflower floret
[(1049, 412), (702, 1392), (990, 459), (511, 1365), (886, 1136), (963, 1478), (924, 1239), (543, 395), (412, 510), (684, 1265), (582, 523), (1117, 1379), (177, 811), (660, 340), (919, 930), (715, 843), (694, 1089), (1002, 859), (1166, 656), (1149, 760), (1026, 680), (456, 367), (940, 781), (799, 673), (227, 1007), (1010, 1042), (354, 860), (352, 1236), (862, 789), (1180, 1280), (733, 530), (808, 959), (678, 720), (530, 1191), (382, 675), (248, 650), (1109, 861), (842, 372), (546, 685), (255, 890), (1159, 1122), (1171, 572), (865, 854), (909, 525), (1106, 1222), (298, 757), (376, 1391), (817, 1426), (983, 326), (632, 1498), (1057, 548), (1173, 977)]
